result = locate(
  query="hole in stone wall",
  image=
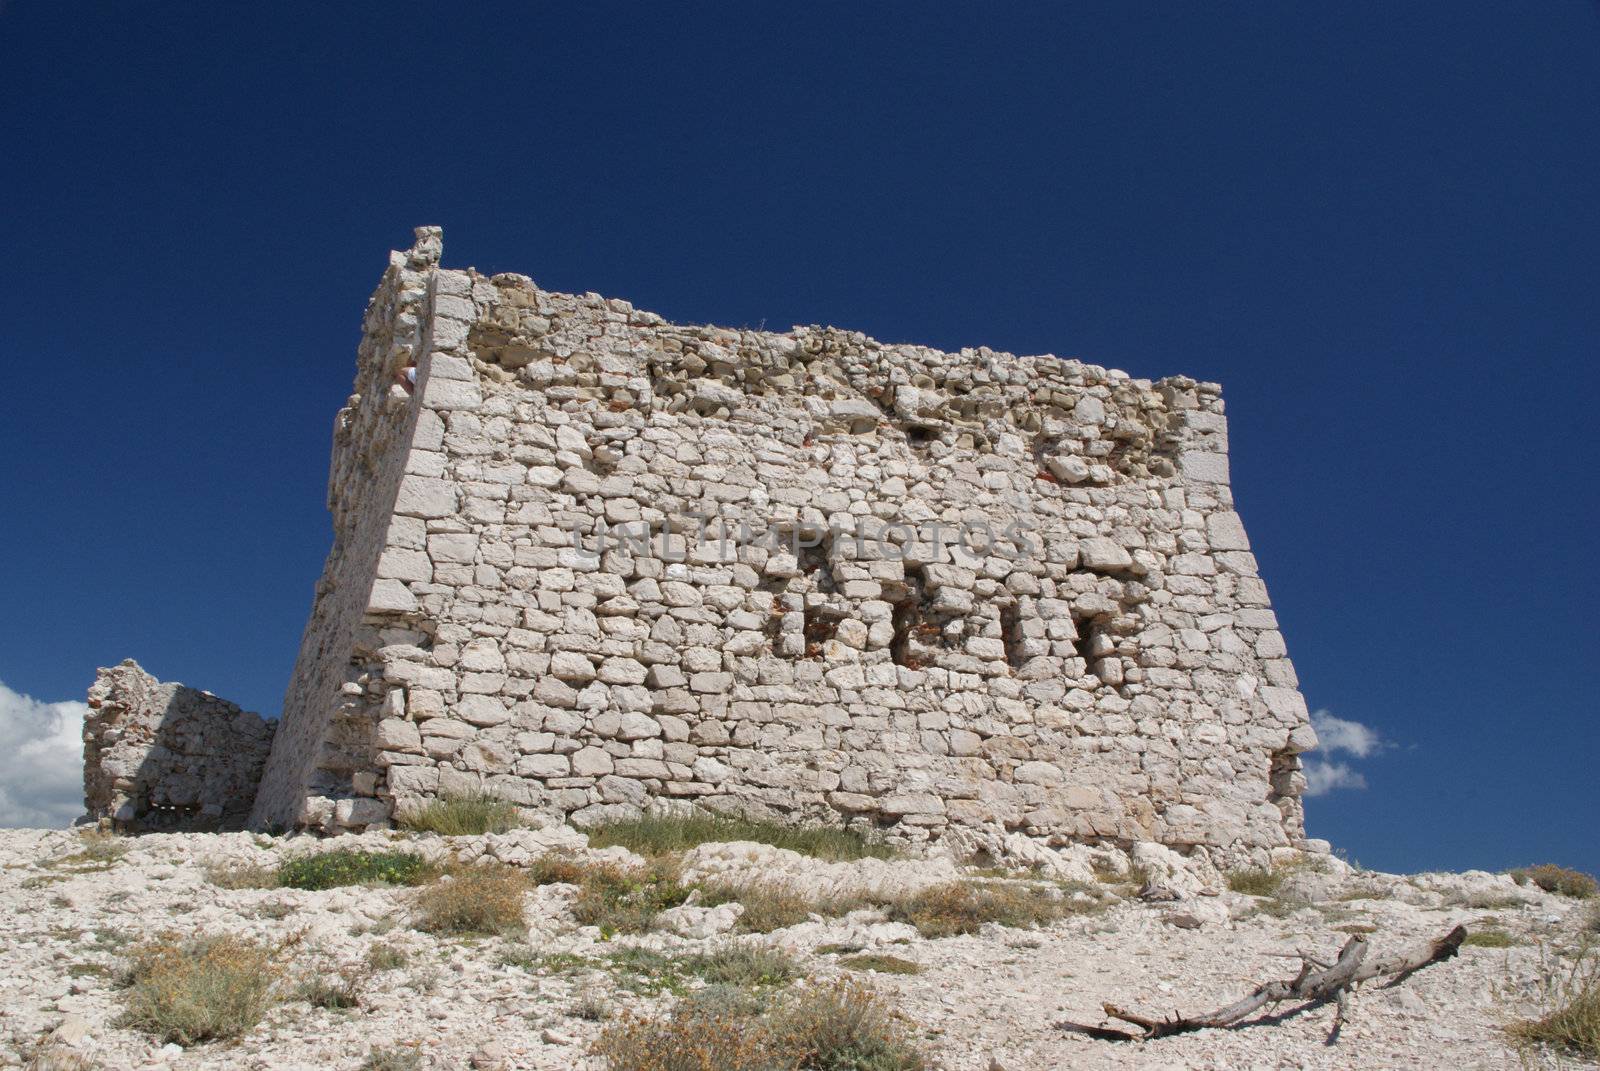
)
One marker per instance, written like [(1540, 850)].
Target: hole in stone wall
[(1011, 635), (919, 438), (907, 615), (1088, 643)]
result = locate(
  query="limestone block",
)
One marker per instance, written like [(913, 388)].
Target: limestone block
[(1225, 531), (391, 597), (395, 734), (479, 710), (423, 496), (1098, 552)]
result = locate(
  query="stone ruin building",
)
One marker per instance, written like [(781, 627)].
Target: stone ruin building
[(591, 561)]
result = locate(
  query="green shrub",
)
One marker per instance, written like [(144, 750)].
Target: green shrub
[(463, 816), (328, 870), (1255, 881), (484, 899), (1557, 879), (664, 834), (200, 988), (960, 907), (881, 963)]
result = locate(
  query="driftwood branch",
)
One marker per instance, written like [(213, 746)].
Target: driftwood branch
[(1315, 984)]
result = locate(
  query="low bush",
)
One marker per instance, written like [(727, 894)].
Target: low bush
[(484, 899), (1557, 879), (1490, 938), (664, 834), (842, 1027), (328, 870), (200, 988), (463, 816), (960, 907)]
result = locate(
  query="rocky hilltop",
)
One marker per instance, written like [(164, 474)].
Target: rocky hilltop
[(978, 967)]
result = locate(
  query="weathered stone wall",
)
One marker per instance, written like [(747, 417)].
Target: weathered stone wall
[(1098, 661), (325, 751), (168, 757)]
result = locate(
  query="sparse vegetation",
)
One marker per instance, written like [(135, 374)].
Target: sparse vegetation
[(328, 870), (98, 850), (960, 907), (772, 907), (1490, 938), (387, 957), (398, 1058), (336, 990), (1569, 1005), (620, 901), (201, 988), (842, 1027), (590, 1006), (242, 876), (664, 834), (483, 899), (883, 964), (647, 971), (463, 816), (1558, 879), (745, 965)]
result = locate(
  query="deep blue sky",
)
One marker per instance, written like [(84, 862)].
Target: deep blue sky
[(1377, 225)]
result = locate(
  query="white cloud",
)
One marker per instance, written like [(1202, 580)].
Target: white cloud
[(1339, 734), (1323, 777), (1334, 736), (41, 761)]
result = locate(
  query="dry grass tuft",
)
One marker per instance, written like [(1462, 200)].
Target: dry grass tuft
[(198, 989), (1490, 938), (398, 1058), (463, 816), (881, 963), (484, 899), (1569, 1000), (1557, 879), (960, 907), (842, 1027)]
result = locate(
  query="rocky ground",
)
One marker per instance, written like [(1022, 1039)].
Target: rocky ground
[(70, 909)]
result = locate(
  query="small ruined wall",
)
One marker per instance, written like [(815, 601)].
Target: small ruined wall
[(168, 757), (805, 574)]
